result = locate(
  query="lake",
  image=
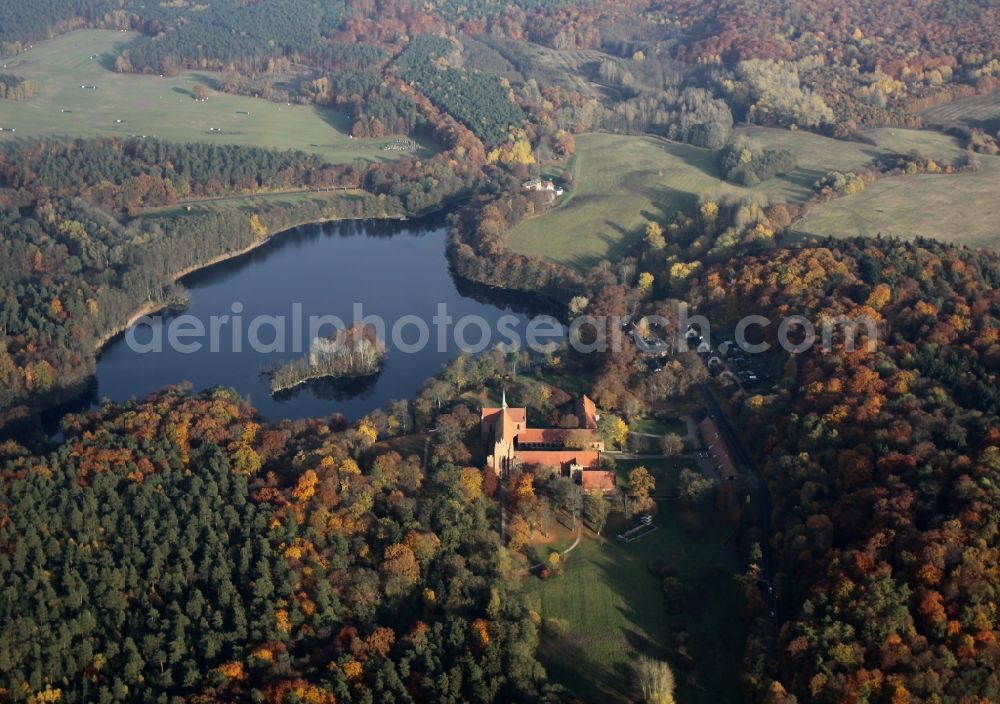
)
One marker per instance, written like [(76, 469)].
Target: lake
[(397, 270)]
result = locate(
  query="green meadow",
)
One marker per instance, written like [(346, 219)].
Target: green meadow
[(123, 105), (624, 181), (608, 608), (959, 208)]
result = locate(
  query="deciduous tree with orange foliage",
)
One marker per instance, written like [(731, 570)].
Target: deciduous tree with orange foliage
[(878, 462), (276, 559)]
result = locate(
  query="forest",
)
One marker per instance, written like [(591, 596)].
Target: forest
[(377, 109), (349, 57), (478, 100), (183, 547), (179, 547), (225, 33), (233, 33), (22, 23), (815, 71), (880, 461), (133, 173), (879, 68)]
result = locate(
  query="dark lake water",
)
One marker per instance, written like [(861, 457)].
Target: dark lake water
[(394, 269)]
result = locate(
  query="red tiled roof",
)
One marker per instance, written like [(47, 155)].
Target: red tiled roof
[(587, 413), (718, 449), (602, 479), (505, 423), (518, 415), (559, 458), (540, 446), (555, 436)]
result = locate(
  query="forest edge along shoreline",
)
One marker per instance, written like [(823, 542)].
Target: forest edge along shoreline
[(46, 410), (151, 308), (70, 395)]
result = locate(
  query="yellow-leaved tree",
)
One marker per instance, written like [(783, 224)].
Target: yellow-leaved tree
[(257, 227), (306, 486), (654, 236), (471, 482), (645, 284), (613, 429)]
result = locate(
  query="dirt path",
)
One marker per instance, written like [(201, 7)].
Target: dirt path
[(692, 427), (640, 456), (567, 551), (579, 537)]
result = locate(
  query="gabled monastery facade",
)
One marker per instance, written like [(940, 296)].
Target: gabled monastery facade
[(573, 452)]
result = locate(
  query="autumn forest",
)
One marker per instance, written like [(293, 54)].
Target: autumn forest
[(811, 524)]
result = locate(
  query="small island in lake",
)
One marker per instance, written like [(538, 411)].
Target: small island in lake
[(349, 354)]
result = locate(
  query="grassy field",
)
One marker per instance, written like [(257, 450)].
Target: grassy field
[(160, 107), (960, 208), (982, 111), (657, 426), (618, 187), (815, 154), (609, 608), (624, 181), (936, 145), (666, 472)]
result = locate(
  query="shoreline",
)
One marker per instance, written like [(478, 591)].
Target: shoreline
[(319, 377), (148, 308), (72, 391)]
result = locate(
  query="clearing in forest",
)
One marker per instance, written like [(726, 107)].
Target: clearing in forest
[(79, 95), (623, 181)]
